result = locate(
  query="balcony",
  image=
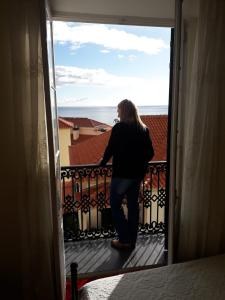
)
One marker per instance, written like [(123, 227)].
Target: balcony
[(88, 225)]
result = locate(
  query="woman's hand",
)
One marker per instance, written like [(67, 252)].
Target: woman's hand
[(100, 162)]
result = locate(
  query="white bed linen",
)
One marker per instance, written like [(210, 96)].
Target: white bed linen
[(198, 279)]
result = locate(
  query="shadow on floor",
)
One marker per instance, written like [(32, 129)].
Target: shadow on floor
[(96, 257)]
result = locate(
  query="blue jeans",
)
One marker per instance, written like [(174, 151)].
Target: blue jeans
[(126, 228)]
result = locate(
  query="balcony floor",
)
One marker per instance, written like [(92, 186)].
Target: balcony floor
[(97, 257)]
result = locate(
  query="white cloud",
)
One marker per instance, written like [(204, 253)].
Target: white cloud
[(132, 57), (81, 76), (104, 51), (103, 35), (68, 101), (66, 75), (152, 91)]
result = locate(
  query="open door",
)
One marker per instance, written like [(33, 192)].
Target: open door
[(168, 138), (55, 174)]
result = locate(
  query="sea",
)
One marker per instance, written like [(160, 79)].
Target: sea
[(106, 114)]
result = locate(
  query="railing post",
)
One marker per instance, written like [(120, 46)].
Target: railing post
[(74, 287)]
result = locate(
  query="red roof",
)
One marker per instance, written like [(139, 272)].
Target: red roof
[(91, 150), (85, 122), (157, 125), (64, 124), (82, 138)]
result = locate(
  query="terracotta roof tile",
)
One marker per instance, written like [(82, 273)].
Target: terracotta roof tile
[(64, 123), (82, 138), (91, 150), (157, 125), (84, 122)]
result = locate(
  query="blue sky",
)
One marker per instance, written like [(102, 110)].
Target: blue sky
[(99, 65)]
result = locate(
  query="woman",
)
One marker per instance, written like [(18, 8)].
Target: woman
[(131, 148)]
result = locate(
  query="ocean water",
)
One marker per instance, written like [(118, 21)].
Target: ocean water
[(106, 114)]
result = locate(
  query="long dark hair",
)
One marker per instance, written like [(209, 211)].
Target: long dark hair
[(129, 113)]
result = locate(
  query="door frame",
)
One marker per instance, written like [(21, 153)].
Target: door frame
[(139, 21), (173, 106)]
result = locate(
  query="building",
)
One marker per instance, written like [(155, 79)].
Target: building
[(74, 131), (86, 127), (32, 249), (65, 140)]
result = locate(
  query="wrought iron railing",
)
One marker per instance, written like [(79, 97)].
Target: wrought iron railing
[(86, 207)]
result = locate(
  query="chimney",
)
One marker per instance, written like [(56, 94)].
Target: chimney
[(76, 132)]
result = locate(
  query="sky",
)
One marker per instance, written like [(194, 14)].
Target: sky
[(99, 65)]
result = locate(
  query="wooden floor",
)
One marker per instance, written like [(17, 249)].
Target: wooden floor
[(96, 257)]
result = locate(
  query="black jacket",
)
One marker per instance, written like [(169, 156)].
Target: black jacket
[(131, 149)]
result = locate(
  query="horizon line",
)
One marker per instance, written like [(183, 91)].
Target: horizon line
[(69, 106)]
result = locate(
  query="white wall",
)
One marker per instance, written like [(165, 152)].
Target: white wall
[(64, 143)]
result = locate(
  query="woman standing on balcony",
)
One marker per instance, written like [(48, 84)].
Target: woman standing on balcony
[(131, 148)]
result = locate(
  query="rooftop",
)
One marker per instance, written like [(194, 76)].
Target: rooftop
[(157, 125), (64, 123), (82, 138), (91, 150), (85, 122)]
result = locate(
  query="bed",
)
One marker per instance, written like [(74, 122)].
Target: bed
[(197, 279)]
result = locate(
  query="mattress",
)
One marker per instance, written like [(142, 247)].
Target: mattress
[(197, 279)]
